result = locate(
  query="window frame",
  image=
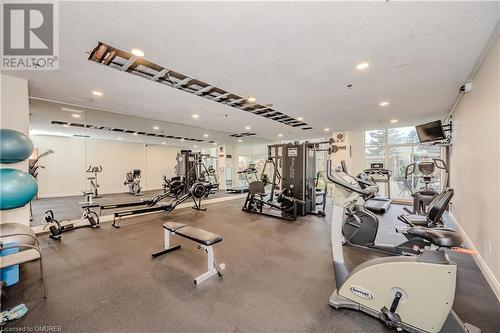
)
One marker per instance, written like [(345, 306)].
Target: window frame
[(386, 149)]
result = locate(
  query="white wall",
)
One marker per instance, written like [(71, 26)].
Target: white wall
[(475, 165), (160, 161), (14, 114), (65, 169), (357, 142)]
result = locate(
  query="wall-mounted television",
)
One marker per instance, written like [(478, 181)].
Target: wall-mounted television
[(430, 132)]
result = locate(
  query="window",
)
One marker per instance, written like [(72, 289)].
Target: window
[(396, 148)]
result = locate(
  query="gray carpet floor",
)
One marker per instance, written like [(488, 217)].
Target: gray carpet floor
[(278, 278)]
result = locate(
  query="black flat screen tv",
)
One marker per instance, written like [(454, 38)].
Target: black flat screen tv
[(430, 132)]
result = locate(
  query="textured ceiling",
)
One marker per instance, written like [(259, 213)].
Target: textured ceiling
[(297, 56)]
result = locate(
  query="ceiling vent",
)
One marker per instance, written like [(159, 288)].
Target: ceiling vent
[(241, 135), (126, 62), (120, 130)]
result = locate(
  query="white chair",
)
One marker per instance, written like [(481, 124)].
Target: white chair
[(26, 243)]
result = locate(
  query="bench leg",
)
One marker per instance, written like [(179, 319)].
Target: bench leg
[(213, 267), (114, 224), (166, 244)]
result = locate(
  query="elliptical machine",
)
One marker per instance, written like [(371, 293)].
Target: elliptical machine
[(423, 196), (133, 180), (414, 294), (360, 226), (93, 185)]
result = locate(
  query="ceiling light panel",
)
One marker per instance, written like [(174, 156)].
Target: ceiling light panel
[(126, 62)]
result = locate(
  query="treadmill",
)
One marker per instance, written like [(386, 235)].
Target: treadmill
[(377, 172), (247, 176)]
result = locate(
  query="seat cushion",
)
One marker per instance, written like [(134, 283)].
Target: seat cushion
[(173, 226), (199, 235), (23, 233), (438, 236), (419, 220)]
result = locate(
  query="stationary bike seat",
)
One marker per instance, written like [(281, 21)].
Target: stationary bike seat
[(438, 236)]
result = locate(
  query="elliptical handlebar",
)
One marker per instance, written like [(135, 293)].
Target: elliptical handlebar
[(338, 180), (94, 168)]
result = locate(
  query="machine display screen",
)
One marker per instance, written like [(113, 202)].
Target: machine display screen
[(429, 132)]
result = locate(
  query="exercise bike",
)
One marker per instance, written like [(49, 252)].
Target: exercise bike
[(89, 217), (133, 180), (414, 294), (93, 185)]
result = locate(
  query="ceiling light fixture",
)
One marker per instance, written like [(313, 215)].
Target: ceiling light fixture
[(251, 99), (205, 135), (280, 135), (118, 138), (248, 128), (75, 115), (183, 140), (163, 143), (326, 129), (363, 65), (300, 118), (384, 103), (239, 140), (156, 128), (137, 52), (214, 143), (195, 116), (393, 121), (135, 133), (97, 93), (195, 146), (66, 125)]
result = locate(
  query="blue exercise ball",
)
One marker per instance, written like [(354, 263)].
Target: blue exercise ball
[(17, 188), (15, 146)]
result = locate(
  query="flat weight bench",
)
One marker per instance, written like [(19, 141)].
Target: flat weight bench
[(205, 239)]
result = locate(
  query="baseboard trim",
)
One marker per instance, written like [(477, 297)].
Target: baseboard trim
[(488, 274)]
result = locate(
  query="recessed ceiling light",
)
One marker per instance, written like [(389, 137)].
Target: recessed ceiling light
[(363, 65), (75, 115), (71, 110), (163, 143), (248, 128), (195, 116), (280, 135), (205, 135), (300, 118), (156, 128), (384, 103), (394, 121), (326, 129), (118, 138), (239, 140), (97, 93), (137, 52), (135, 133), (251, 99)]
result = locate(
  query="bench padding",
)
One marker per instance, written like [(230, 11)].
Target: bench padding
[(198, 235), (173, 226)]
